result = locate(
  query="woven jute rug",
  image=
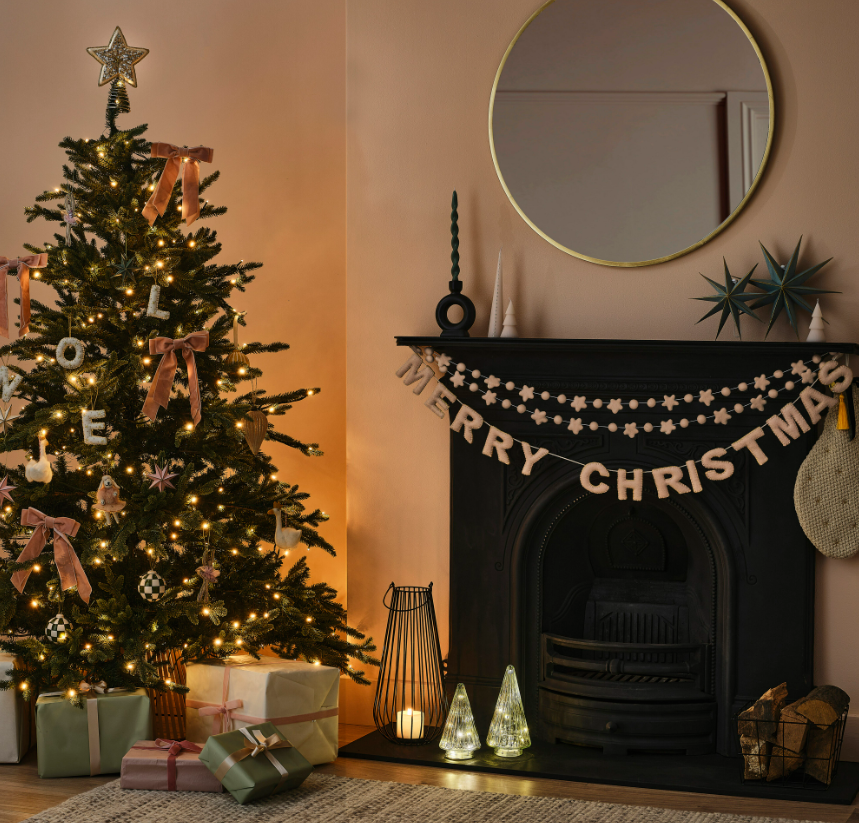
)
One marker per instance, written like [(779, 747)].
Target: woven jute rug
[(325, 798)]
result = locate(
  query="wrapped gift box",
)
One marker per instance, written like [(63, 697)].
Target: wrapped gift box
[(92, 739), (167, 766), (14, 718), (255, 762), (299, 698)]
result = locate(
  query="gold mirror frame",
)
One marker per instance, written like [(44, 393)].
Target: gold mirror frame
[(723, 225)]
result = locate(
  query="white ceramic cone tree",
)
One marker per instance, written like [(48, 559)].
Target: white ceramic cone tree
[(816, 330), (495, 320), (459, 739), (508, 732), (509, 329)]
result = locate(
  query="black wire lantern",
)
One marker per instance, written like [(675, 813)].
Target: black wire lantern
[(410, 704)]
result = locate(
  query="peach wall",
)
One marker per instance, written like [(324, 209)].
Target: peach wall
[(419, 75), (264, 84)]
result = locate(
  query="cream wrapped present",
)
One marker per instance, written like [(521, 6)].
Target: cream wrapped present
[(301, 699), (14, 718)]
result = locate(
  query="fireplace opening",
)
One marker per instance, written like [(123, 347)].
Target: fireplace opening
[(627, 606)]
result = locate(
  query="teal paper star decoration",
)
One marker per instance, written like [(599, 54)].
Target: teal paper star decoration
[(731, 299), (786, 288), (124, 269)]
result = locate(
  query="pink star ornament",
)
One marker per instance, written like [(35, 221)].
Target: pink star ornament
[(161, 479), (5, 488)]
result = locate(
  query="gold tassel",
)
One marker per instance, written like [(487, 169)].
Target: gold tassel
[(843, 421)]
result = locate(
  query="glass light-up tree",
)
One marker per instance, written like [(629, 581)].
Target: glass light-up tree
[(459, 739), (189, 499), (508, 732)]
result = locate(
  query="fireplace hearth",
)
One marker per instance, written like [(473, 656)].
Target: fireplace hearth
[(638, 629)]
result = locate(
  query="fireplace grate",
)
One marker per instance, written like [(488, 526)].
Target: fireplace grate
[(627, 678), (660, 671)]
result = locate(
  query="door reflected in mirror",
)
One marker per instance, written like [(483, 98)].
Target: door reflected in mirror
[(628, 132)]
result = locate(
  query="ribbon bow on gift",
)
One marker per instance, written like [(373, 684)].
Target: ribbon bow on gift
[(99, 688), (208, 574), (23, 264), (257, 744), (223, 714), (69, 567), (159, 390), (176, 158)]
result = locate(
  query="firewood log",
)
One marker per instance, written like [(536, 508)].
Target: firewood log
[(760, 721), (756, 755), (823, 705), (792, 729), (783, 762), (820, 752)]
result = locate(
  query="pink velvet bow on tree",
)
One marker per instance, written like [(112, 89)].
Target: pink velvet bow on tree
[(177, 157), (159, 389), (23, 264), (68, 566)]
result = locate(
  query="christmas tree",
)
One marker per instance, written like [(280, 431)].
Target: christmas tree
[(174, 506)]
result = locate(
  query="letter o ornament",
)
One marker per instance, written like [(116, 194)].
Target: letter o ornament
[(65, 344)]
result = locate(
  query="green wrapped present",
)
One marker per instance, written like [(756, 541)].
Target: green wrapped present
[(254, 762), (93, 738)]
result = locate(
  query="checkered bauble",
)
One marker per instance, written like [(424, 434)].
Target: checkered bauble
[(151, 586), (56, 626)]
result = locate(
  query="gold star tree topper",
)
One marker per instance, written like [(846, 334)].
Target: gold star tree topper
[(118, 59)]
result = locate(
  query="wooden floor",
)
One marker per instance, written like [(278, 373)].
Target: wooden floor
[(24, 794)]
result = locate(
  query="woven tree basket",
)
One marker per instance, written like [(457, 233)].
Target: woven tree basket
[(169, 707), (826, 495)]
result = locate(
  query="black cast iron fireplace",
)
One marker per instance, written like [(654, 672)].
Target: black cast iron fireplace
[(638, 629), (635, 627), (626, 601)]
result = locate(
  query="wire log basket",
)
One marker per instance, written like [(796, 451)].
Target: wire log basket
[(410, 704), (791, 754)]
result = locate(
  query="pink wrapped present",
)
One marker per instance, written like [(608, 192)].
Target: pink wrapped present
[(167, 766)]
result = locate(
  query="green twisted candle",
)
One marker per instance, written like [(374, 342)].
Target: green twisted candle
[(454, 238)]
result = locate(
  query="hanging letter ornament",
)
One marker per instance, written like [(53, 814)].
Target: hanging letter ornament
[(10, 382), (159, 390), (23, 265), (177, 158), (91, 422), (152, 309), (68, 566), (70, 343)]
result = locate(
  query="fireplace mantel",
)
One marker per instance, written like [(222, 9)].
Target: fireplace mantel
[(501, 532), (687, 351)]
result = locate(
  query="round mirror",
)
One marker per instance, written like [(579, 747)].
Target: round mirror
[(629, 132)]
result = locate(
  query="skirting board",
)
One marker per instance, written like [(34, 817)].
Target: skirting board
[(707, 774)]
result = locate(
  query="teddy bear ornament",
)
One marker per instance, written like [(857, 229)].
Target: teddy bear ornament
[(107, 499)]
